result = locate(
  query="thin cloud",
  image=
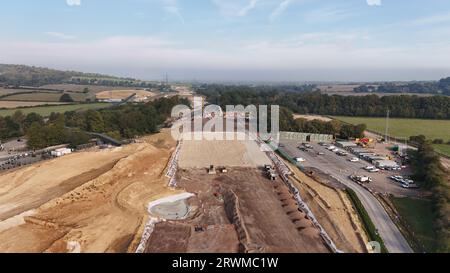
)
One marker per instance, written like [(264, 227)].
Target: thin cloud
[(374, 2), (431, 20), (235, 8), (328, 15), (171, 7), (73, 2), (280, 9), (60, 35), (251, 5)]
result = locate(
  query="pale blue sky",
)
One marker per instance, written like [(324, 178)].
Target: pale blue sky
[(279, 40)]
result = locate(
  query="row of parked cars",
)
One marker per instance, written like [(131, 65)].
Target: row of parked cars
[(405, 182), (334, 149)]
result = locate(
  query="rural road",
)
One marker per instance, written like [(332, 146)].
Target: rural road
[(393, 239), (336, 167)]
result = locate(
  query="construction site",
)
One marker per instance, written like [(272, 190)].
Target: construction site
[(160, 195), (244, 200)]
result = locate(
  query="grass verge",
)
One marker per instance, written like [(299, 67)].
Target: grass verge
[(367, 222)]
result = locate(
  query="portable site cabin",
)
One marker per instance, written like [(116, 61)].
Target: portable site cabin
[(386, 164), (61, 152)]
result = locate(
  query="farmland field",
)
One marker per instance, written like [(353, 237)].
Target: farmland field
[(47, 110), (442, 148), (400, 128), (80, 87), (45, 96), (15, 104), (418, 214)]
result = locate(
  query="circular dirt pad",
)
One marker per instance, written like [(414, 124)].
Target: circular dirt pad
[(171, 210)]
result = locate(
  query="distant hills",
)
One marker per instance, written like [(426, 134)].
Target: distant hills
[(22, 75)]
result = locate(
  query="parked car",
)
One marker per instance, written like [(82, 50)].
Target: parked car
[(374, 170), (300, 159), (320, 153), (354, 159), (361, 179), (368, 168)]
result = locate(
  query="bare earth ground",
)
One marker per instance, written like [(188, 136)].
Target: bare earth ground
[(201, 154), (311, 117), (241, 211), (123, 94), (334, 211), (100, 204)]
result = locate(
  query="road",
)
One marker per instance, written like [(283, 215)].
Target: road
[(336, 167)]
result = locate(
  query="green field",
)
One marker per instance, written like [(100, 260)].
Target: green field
[(400, 128), (418, 214), (47, 110), (45, 96), (442, 148)]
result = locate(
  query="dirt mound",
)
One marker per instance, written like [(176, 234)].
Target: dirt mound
[(103, 214)]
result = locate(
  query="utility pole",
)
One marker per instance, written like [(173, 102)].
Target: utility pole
[(387, 127)]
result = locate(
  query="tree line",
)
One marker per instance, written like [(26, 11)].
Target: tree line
[(126, 121), (22, 75), (440, 87), (333, 127), (402, 106), (433, 176)]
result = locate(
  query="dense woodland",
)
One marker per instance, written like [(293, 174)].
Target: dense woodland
[(119, 122), (402, 106), (434, 177), (440, 87)]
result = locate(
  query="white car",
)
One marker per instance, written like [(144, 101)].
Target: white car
[(368, 168), (300, 159), (374, 170), (354, 159), (404, 185)]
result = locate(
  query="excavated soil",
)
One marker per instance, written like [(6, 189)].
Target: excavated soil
[(239, 211), (96, 199)]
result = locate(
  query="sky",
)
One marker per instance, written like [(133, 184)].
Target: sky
[(232, 40)]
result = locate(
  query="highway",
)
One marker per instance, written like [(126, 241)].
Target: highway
[(339, 168)]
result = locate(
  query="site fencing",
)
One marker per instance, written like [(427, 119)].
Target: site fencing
[(173, 166)]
